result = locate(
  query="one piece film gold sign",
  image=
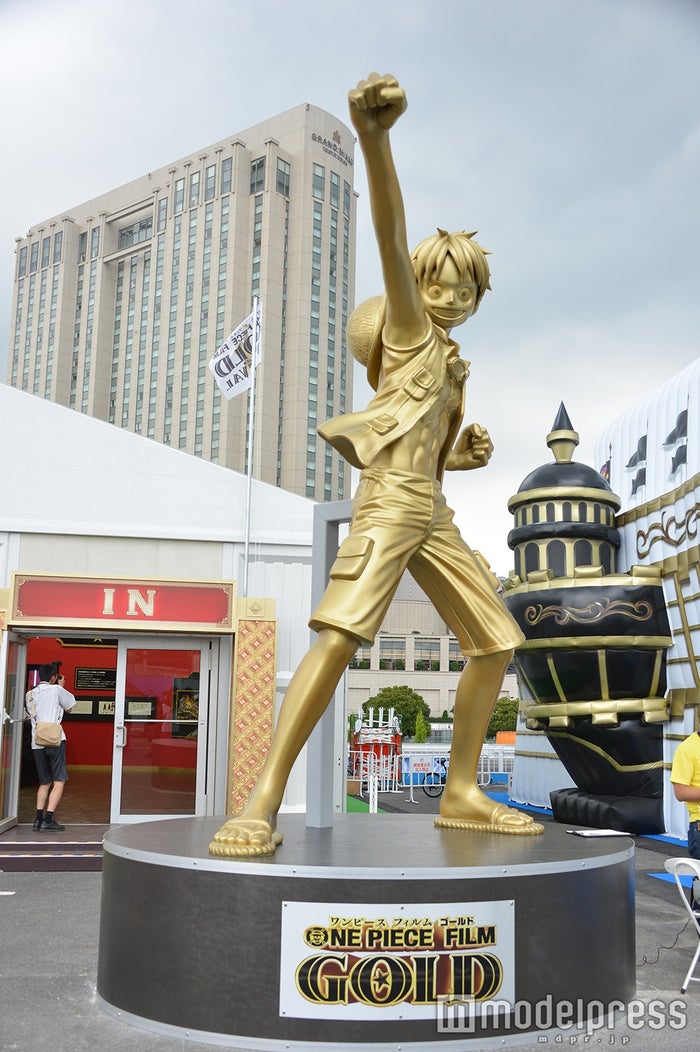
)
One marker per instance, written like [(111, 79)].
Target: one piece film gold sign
[(382, 961)]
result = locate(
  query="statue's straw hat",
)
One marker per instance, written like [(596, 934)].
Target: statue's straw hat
[(364, 335)]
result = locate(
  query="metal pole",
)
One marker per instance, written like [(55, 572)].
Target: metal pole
[(251, 444), (320, 751)]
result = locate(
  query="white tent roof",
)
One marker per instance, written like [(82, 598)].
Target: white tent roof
[(654, 420), (66, 473)]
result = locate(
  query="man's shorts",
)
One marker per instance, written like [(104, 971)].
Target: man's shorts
[(401, 521), (694, 840), (51, 764)]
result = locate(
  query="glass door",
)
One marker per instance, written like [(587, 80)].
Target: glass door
[(160, 729), (11, 716)]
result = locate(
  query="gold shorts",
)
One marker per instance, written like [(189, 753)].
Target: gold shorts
[(401, 521)]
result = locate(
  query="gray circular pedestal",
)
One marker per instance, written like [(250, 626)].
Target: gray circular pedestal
[(380, 932)]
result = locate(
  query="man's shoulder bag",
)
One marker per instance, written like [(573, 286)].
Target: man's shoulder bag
[(45, 733)]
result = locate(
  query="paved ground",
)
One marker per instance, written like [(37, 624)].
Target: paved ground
[(49, 924)]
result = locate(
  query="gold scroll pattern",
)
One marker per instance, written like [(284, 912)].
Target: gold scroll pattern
[(676, 567), (594, 611), (254, 706), (669, 529)]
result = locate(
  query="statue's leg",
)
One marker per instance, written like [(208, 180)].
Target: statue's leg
[(311, 688), (463, 805)]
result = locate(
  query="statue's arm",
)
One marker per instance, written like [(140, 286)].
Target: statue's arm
[(375, 106), (472, 449)]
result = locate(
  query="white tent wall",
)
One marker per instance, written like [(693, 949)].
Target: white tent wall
[(654, 416), (81, 496), (64, 472)]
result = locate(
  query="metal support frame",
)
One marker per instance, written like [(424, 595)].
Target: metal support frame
[(321, 762)]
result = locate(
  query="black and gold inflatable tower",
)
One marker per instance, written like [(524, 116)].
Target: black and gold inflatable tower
[(593, 666)]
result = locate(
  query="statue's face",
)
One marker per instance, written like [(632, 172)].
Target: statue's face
[(448, 299)]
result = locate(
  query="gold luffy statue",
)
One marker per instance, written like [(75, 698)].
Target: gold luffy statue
[(403, 441)]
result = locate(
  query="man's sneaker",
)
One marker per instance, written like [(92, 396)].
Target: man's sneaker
[(38, 822), (52, 826)]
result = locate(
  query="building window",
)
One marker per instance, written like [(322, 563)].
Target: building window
[(257, 175), (457, 659), (22, 266), (45, 252), (346, 198), (335, 190), (179, 200), (226, 174), (319, 182), (57, 246), (283, 177), (426, 655), (34, 258), (162, 213), (210, 182), (82, 248), (137, 232), (362, 658), (257, 245), (194, 189), (392, 654), (94, 242)]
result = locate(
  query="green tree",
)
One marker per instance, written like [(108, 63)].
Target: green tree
[(422, 728), (504, 717), (405, 702)]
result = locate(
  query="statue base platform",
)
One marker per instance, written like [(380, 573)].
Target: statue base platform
[(381, 932)]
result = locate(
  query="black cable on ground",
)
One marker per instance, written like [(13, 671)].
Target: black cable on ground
[(645, 959)]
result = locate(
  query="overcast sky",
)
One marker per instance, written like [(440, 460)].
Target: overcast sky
[(567, 132)]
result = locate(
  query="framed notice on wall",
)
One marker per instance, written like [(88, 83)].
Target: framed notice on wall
[(140, 708), (95, 679), (83, 707), (92, 708)]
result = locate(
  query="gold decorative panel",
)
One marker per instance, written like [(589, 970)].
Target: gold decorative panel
[(254, 704)]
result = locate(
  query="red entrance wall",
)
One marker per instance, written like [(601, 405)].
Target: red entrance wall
[(89, 741)]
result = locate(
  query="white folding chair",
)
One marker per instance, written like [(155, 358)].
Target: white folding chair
[(678, 867)]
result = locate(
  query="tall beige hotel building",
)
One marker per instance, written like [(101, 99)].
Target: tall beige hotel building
[(120, 302)]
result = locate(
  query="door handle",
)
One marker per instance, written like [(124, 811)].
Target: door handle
[(120, 736)]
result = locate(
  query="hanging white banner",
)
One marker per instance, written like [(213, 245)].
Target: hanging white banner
[(231, 364)]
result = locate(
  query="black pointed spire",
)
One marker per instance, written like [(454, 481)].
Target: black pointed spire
[(562, 422), (562, 439)]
